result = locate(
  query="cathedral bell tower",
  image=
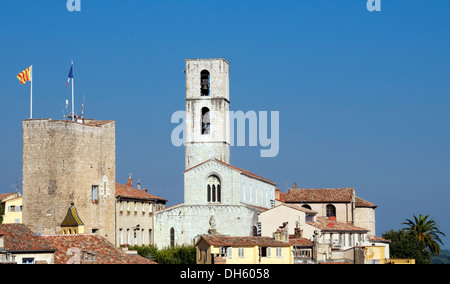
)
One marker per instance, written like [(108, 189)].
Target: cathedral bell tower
[(207, 106)]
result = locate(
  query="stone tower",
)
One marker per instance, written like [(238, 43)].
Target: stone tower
[(207, 107), (67, 162)]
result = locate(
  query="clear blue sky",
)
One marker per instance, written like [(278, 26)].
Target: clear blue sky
[(363, 97)]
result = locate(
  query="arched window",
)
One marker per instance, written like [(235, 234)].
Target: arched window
[(331, 211), (306, 206), (172, 237), (204, 83), (205, 121), (213, 187)]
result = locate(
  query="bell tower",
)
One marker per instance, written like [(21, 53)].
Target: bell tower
[(207, 106)]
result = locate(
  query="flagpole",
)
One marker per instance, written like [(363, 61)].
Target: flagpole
[(73, 112), (31, 95)]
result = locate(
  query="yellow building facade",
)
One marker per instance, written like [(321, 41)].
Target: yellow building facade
[(214, 249), (12, 208)]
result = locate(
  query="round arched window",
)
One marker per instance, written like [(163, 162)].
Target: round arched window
[(214, 190), (331, 211)]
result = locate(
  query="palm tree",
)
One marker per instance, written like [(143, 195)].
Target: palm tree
[(426, 231)]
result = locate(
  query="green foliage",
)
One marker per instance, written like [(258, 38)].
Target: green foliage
[(405, 245), (176, 255), (426, 230)]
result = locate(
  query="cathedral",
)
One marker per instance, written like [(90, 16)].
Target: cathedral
[(218, 198)]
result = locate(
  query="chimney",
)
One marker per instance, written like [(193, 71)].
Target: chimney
[(130, 181), (282, 233), (277, 193), (139, 184), (298, 233)]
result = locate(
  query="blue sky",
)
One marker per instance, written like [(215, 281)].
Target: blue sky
[(363, 96)]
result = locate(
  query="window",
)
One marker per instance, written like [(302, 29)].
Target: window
[(265, 252), (213, 189), (229, 252), (241, 252), (172, 237), (306, 206), (204, 83), (255, 231), (27, 260), (278, 252), (206, 121), (331, 211), (309, 218), (95, 194)]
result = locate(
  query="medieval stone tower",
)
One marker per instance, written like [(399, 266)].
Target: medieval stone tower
[(207, 106), (64, 162)]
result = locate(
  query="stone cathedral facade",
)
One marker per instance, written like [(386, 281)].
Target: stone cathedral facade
[(218, 198)]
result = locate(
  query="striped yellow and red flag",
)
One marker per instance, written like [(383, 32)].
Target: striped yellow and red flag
[(25, 75)]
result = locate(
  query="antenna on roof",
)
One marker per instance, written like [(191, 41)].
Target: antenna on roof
[(65, 111), (83, 107), (37, 229), (16, 186)]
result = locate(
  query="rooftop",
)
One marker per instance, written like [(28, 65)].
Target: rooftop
[(242, 171), (19, 238), (222, 240), (105, 252)]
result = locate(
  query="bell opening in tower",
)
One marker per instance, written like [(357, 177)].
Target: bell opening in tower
[(204, 83)]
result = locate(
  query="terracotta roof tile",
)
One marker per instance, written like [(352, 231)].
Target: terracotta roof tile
[(105, 252), (5, 195), (364, 203), (296, 194), (378, 239), (19, 238), (300, 242), (220, 240), (130, 192), (325, 224)]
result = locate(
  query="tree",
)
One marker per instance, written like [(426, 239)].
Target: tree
[(405, 245), (427, 231), (177, 255)]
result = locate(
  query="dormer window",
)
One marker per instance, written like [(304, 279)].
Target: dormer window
[(204, 83)]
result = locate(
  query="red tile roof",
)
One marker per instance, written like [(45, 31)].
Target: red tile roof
[(130, 192), (19, 238), (244, 172), (311, 195), (300, 242), (378, 239), (364, 203), (105, 252), (325, 224), (220, 240), (5, 195), (319, 195)]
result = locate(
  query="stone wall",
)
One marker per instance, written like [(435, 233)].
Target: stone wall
[(62, 160), (191, 221)]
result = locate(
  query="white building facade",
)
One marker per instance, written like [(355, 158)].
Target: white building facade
[(218, 197)]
